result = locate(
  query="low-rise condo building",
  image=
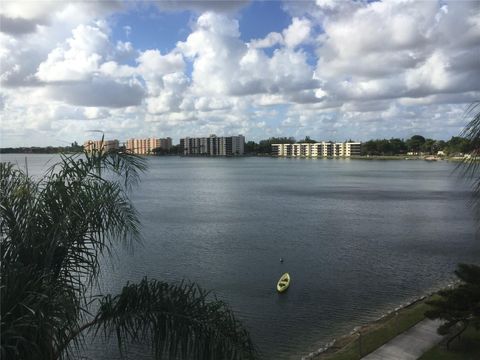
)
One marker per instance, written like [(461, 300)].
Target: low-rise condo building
[(97, 145), (319, 149), (147, 146), (213, 145)]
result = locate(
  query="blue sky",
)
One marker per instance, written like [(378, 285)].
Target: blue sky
[(327, 69)]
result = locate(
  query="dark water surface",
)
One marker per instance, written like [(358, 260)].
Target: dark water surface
[(358, 238)]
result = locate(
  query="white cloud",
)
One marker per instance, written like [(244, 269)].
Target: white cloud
[(268, 41), (225, 65), (78, 59), (153, 67), (297, 33), (399, 49), (99, 92), (384, 67)]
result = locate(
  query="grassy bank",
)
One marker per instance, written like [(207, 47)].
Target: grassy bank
[(370, 337), (467, 347)]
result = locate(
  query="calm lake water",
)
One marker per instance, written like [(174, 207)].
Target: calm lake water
[(358, 238)]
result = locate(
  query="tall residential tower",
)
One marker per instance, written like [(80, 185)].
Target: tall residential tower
[(213, 145)]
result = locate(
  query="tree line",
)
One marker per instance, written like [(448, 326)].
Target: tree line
[(382, 147), (393, 146), (73, 148)]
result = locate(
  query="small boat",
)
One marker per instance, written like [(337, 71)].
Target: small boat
[(283, 283)]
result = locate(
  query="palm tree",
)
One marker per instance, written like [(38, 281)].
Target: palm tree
[(461, 304), (53, 232), (470, 165), (459, 307)]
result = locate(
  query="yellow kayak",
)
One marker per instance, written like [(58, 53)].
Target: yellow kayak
[(283, 283)]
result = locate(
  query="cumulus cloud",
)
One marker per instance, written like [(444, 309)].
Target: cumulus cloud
[(17, 26), (297, 32), (400, 49), (25, 15), (339, 69), (78, 59), (31, 30), (224, 65), (78, 72), (270, 40), (98, 92)]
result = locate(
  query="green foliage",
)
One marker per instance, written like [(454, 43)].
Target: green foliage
[(53, 232), (415, 143), (73, 148), (174, 150), (458, 145), (203, 329), (466, 348), (251, 147), (461, 303), (265, 146), (307, 140), (384, 147), (471, 165)]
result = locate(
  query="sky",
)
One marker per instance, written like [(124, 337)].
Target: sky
[(328, 69)]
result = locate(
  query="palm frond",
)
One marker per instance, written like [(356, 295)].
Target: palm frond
[(177, 320), (98, 163), (53, 232), (472, 133), (469, 168)]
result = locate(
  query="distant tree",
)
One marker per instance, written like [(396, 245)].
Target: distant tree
[(458, 145), (459, 305), (265, 146), (439, 146), (307, 140), (174, 150), (415, 143), (251, 147), (383, 147), (428, 146), (398, 146), (370, 148), (75, 147)]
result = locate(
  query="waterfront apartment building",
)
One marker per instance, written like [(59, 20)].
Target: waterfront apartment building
[(146, 146), (320, 149), (105, 145), (213, 145)]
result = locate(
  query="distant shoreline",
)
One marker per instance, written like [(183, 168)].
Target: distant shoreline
[(362, 157)]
